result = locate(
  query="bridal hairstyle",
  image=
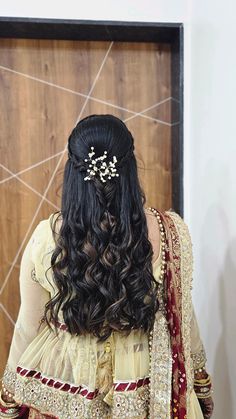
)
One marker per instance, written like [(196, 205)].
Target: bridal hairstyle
[(102, 262)]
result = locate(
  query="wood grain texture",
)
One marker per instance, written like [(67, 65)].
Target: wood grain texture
[(43, 85)]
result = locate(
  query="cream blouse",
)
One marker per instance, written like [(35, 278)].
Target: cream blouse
[(78, 364)]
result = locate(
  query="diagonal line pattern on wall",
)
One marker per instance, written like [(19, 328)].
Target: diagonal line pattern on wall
[(92, 98), (29, 168), (54, 172), (135, 114), (7, 314), (30, 187)]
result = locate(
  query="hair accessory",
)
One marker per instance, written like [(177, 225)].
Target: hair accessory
[(99, 166)]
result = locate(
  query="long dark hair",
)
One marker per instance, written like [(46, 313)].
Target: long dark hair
[(102, 262)]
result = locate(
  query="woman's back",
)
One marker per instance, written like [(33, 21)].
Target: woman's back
[(75, 376), (106, 327)]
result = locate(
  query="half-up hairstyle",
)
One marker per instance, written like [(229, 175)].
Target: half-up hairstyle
[(102, 262)]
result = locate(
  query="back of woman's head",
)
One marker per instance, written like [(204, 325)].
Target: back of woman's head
[(102, 263)]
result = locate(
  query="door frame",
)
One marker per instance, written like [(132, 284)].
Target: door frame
[(97, 30)]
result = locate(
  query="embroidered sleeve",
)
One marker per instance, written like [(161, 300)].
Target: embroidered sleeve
[(198, 353), (33, 298)]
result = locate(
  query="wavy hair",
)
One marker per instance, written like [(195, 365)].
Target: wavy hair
[(102, 262)]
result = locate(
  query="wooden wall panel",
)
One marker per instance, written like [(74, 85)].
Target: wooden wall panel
[(44, 86)]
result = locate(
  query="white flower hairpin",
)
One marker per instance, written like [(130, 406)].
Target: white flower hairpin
[(99, 166)]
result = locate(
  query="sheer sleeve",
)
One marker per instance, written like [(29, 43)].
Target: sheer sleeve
[(198, 353), (33, 299)]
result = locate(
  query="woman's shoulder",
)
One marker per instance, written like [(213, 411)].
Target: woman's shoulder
[(177, 221), (44, 224), (41, 227), (175, 216), (41, 235)]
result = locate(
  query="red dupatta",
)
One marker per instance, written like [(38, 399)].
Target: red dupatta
[(170, 332), (174, 318)]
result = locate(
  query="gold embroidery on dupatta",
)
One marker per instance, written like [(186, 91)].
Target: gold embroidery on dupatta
[(161, 371), (186, 282), (160, 357)]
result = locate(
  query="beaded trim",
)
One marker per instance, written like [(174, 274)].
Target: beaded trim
[(66, 401), (163, 242), (160, 366), (50, 382), (84, 391)]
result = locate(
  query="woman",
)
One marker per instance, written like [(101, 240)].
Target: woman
[(106, 327)]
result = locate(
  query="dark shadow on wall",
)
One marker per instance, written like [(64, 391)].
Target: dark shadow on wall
[(226, 346), (217, 272)]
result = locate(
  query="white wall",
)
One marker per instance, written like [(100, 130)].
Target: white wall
[(150, 10), (209, 160), (210, 195)]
